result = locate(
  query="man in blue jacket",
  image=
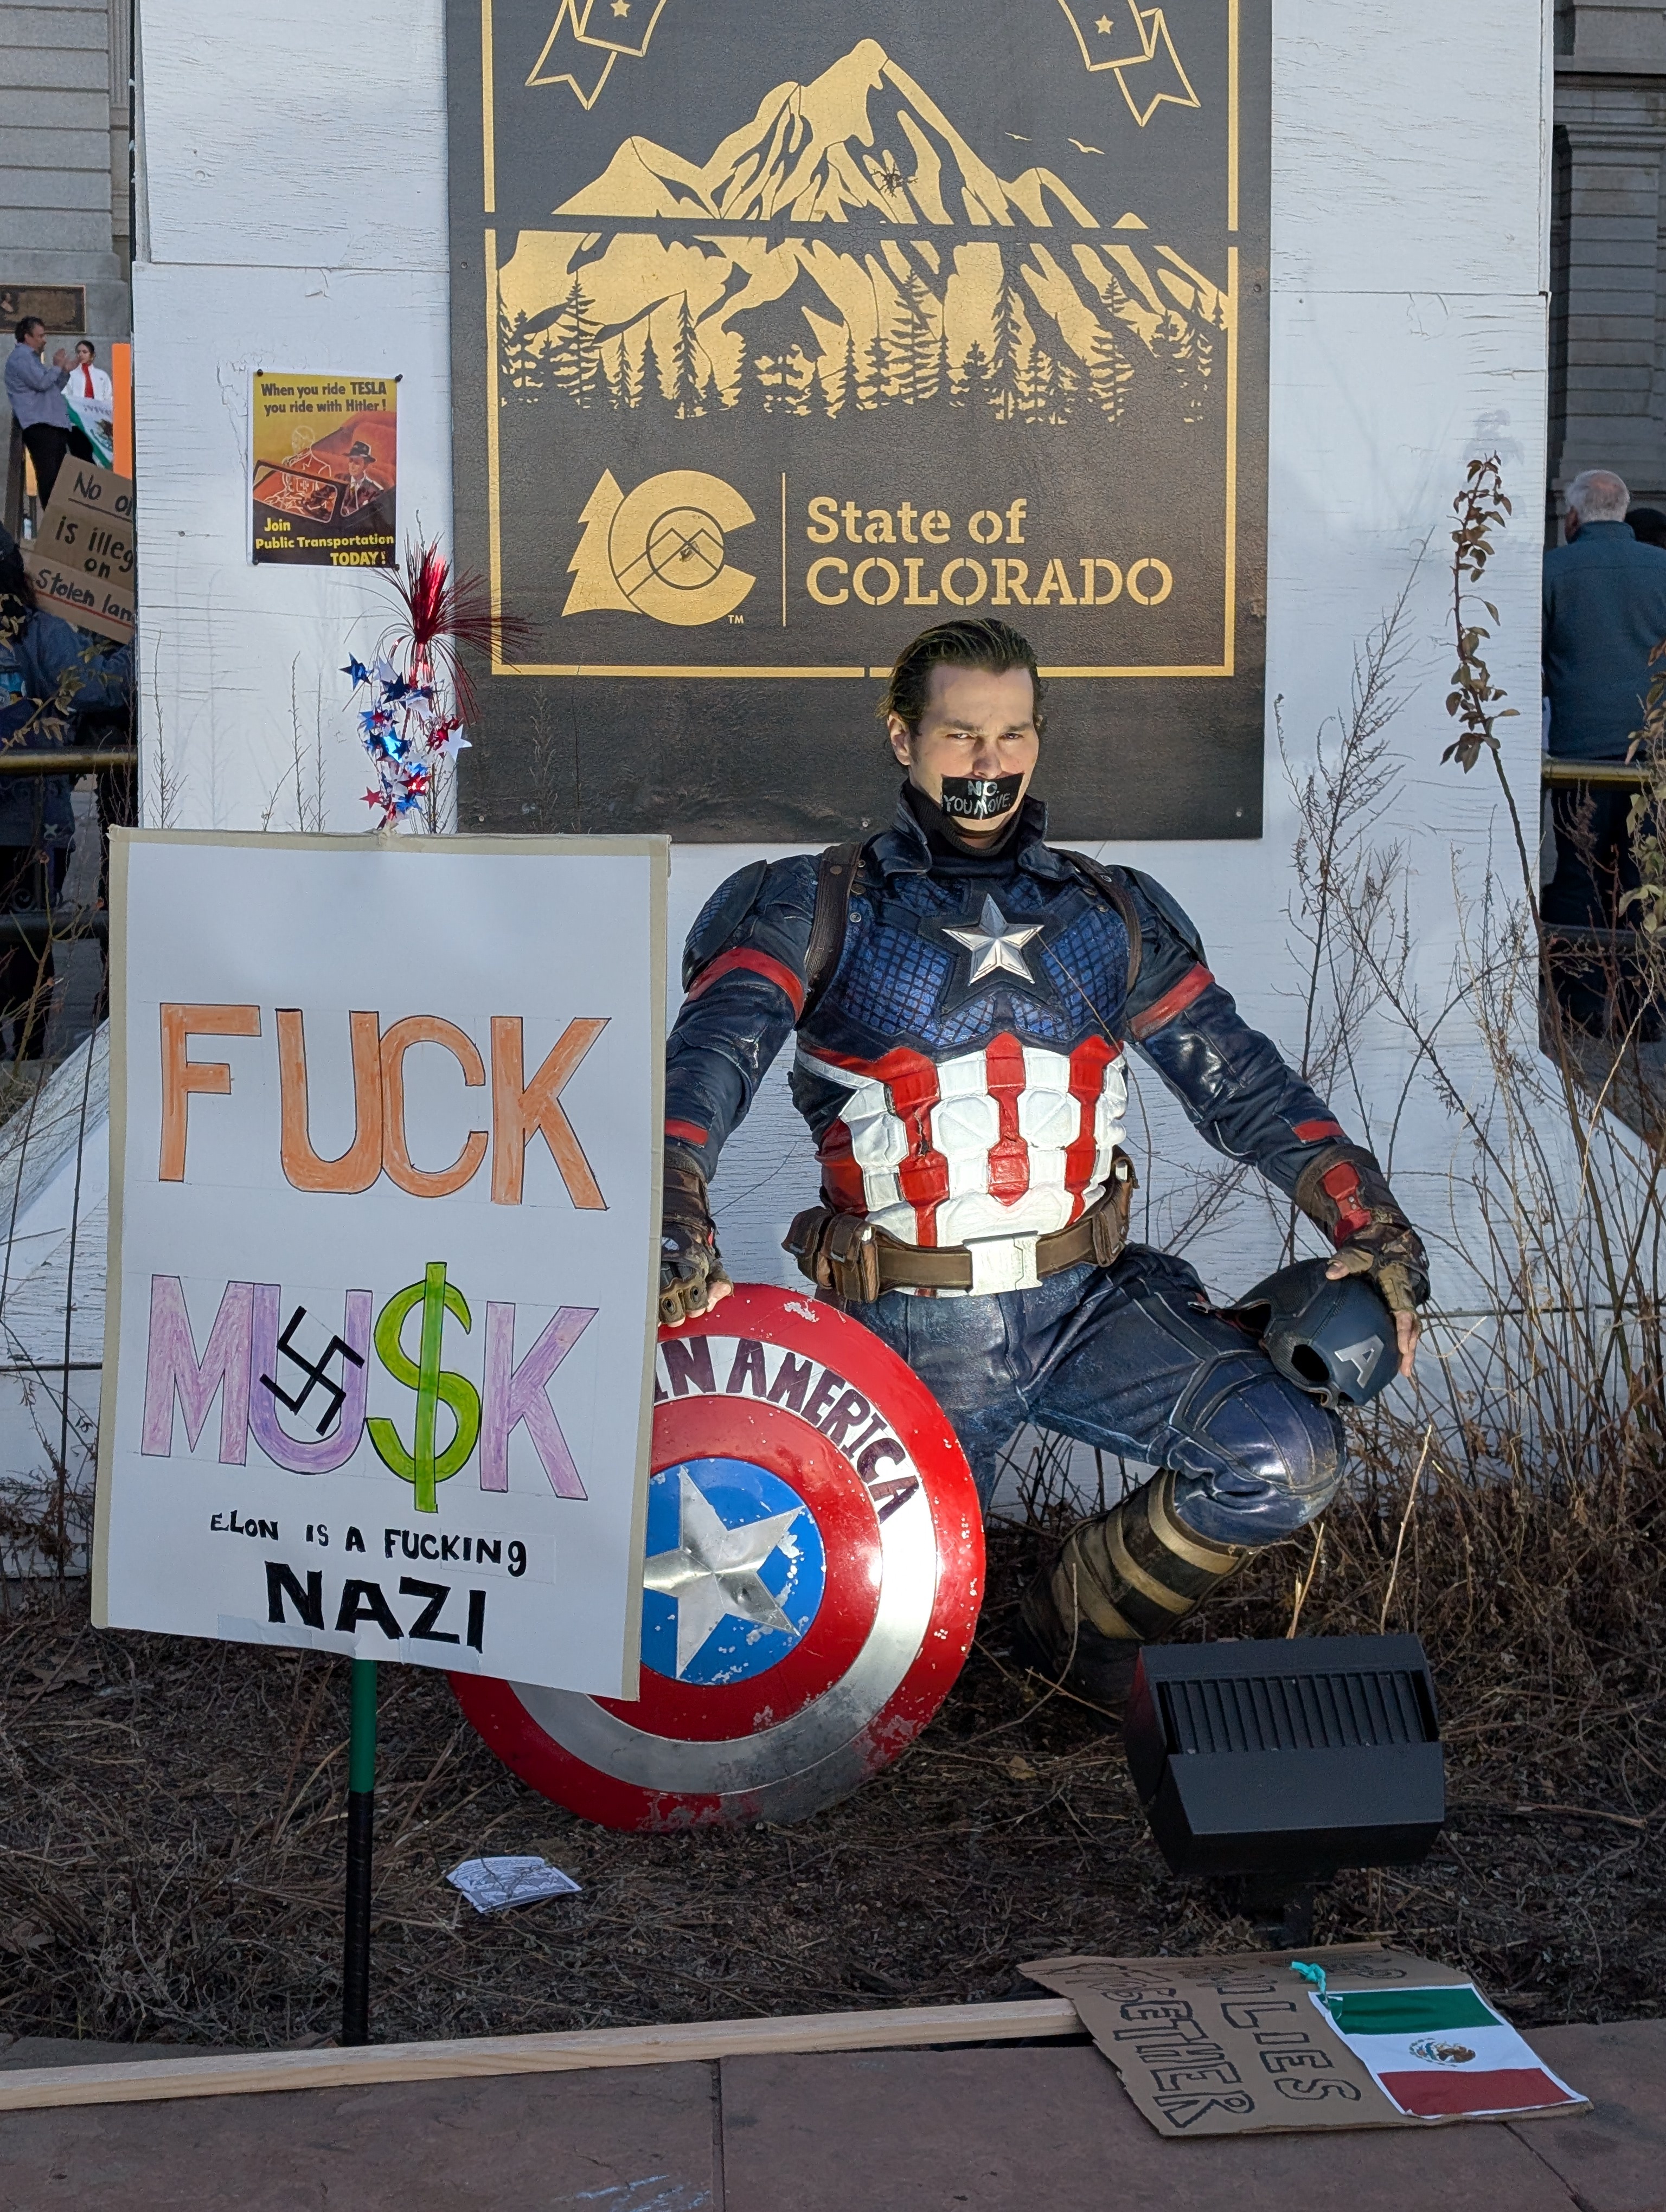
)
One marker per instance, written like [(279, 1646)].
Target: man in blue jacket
[(962, 993), (1604, 614)]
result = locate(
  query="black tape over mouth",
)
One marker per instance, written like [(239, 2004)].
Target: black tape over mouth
[(979, 798)]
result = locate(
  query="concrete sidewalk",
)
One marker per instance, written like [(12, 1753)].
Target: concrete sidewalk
[(1015, 2128)]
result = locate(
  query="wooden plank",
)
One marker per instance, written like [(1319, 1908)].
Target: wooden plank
[(250, 2072)]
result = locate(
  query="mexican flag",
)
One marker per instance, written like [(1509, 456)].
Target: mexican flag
[(97, 430), (1443, 2053)]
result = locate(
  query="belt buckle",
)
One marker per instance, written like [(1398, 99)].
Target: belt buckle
[(1004, 1263)]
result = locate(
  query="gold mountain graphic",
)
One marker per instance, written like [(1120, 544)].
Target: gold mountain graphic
[(848, 248), (815, 153)]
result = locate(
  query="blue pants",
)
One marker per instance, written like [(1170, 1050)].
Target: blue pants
[(1131, 1358)]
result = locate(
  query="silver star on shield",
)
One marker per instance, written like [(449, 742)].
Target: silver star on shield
[(996, 945), (714, 1571)]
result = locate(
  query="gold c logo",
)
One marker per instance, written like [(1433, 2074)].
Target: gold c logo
[(660, 551)]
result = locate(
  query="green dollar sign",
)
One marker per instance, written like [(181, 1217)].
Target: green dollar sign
[(433, 1384)]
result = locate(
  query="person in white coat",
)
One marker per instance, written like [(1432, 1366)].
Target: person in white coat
[(91, 401)]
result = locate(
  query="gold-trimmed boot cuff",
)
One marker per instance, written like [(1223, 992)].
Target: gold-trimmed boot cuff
[(1135, 1572)]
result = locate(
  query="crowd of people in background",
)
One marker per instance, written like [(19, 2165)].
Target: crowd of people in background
[(53, 680), (60, 687)]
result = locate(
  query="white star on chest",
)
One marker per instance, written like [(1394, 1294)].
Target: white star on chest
[(996, 945), (714, 1571)]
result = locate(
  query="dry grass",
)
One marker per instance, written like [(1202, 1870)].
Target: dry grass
[(171, 1864)]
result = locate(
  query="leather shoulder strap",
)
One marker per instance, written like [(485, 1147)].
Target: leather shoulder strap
[(835, 877), (1109, 883)]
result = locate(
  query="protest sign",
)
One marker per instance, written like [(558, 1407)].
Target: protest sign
[(325, 452), (1234, 2045), (80, 559), (385, 1121)]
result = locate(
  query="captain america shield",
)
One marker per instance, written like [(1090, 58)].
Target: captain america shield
[(814, 1567)]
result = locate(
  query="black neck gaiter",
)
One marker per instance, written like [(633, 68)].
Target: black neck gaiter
[(948, 846)]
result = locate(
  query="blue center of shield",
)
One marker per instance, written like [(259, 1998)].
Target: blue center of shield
[(735, 1570)]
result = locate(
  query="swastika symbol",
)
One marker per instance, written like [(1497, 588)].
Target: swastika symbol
[(314, 1371)]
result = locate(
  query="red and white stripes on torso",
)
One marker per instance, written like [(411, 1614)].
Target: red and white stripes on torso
[(989, 1148)]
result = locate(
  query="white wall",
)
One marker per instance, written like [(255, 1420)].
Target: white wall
[(1410, 181), (278, 229)]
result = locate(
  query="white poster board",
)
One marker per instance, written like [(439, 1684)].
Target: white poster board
[(385, 1134)]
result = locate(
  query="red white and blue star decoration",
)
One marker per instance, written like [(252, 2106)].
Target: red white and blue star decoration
[(404, 732), (814, 1570), (419, 692)]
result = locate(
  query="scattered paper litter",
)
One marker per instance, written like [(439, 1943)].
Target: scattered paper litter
[(494, 1885)]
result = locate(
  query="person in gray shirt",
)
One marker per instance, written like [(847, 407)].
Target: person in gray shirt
[(35, 391), (1604, 614)]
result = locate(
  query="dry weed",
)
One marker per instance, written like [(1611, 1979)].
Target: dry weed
[(172, 1862)]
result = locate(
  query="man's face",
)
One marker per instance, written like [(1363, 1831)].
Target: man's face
[(975, 724), (36, 337), (356, 467)]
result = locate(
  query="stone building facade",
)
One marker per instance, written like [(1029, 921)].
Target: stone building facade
[(1607, 247), (66, 195)]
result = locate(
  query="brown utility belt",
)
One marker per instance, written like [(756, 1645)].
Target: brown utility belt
[(844, 1253)]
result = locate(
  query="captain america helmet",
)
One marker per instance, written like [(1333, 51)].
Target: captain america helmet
[(1336, 1340)]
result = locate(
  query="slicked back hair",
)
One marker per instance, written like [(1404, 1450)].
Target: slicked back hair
[(991, 645)]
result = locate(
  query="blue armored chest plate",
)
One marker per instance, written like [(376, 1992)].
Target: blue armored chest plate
[(941, 967)]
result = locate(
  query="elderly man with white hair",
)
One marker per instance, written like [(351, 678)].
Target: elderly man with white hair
[(1604, 614)]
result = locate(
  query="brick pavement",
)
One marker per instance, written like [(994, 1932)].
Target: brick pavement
[(1036, 2128)]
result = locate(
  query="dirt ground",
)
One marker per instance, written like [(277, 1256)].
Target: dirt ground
[(171, 1849)]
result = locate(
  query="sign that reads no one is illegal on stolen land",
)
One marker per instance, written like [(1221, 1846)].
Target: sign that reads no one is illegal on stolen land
[(384, 1246)]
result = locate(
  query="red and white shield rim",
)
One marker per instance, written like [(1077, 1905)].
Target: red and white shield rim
[(898, 1516)]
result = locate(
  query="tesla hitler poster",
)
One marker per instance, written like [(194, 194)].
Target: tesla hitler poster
[(325, 470)]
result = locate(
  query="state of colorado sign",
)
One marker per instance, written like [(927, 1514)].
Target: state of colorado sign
[(780, 333), (814, 1569)]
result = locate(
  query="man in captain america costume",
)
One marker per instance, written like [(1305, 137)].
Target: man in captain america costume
[(963, 995)]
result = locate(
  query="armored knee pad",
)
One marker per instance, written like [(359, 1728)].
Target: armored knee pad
[(1257, 1458)]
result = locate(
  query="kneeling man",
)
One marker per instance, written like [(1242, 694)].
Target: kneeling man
[(963, 995)]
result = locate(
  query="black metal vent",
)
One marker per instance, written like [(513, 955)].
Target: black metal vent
[(1289, 1758), (1297, 1712)]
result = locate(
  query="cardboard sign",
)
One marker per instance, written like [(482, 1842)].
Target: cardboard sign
[(81, 560), (1234, 2045), (385, 1133)]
